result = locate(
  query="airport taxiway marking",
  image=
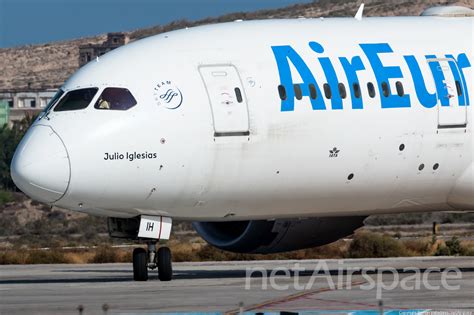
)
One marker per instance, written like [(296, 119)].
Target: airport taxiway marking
[(293, 297)]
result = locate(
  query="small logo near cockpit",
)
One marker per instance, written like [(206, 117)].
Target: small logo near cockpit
[(168, 95), (334, 153)]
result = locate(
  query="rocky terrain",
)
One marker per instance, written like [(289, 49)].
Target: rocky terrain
[(49, 65)]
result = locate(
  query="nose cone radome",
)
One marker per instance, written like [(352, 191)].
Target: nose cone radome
[(40, 166)]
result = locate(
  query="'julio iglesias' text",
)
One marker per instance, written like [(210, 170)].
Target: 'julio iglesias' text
[(130, 156)]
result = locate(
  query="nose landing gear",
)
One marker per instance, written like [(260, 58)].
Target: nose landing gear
[(150, 229), (151, 259)]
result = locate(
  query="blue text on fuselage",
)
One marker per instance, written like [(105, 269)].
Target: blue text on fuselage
[(286, 57)]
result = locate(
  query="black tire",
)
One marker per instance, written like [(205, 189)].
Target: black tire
[(165, 269), (140, 264)]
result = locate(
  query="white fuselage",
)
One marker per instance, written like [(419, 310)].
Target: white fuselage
[(212, 155)]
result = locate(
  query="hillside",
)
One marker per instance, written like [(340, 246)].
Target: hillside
[(49, 65)]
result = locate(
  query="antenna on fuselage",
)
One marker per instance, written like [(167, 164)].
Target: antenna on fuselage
[(359, 13)]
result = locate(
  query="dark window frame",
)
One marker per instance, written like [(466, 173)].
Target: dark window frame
[(400, 89), (238, 95), (64, 99), (385, 89), (313, 93), (298, 91), (356, 89), (371, 90), (54, 100), (113, 107), (342, 90), (327, 91), (282, 92), (458, 87)]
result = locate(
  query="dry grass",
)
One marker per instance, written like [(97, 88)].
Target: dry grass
[(103, 254), (365, 244), (422, 247), (79, 257), (368, 244), (469, 247)]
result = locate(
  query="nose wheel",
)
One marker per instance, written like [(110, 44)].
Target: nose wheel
[(165, 269), (151, 259), (140, 268)]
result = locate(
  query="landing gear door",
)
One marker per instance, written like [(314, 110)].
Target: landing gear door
[(451, 114), (155, 227), (227, 100)]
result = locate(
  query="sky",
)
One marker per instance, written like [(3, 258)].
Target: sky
[(25, 22)]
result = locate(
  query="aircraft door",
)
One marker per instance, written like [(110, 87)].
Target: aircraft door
[(227, 100), (450, 91)]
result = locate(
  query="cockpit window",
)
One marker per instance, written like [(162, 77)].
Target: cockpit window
[(115, 99), (77, 99), (53, 101)]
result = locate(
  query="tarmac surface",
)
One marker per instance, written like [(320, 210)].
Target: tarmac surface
[(352, 286)]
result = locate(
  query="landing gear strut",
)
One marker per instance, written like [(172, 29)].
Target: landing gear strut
[(151, 259)]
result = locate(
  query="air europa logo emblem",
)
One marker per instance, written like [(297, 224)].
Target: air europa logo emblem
[(168, 95), (334, 153)]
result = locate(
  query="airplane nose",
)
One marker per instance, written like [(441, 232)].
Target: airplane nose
[(40, 165)]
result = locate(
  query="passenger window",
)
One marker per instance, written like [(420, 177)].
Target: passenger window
[(298, 93), (312, 91), (371, 89), (385, 90), (282, 92), (238, 94), (458, 88), (342, 90), (75, 100), (327, 91), (115, 99), (399, 87), (356, 88)]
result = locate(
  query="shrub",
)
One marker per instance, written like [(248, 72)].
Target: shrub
[(468, 252), (209, 253), (452, 247), (11, 257), (419, 247), (105, 254), (395, 219), (5, 197), (9, 139), (46, 257), (372, 245), (442, 251), (9, 226)]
